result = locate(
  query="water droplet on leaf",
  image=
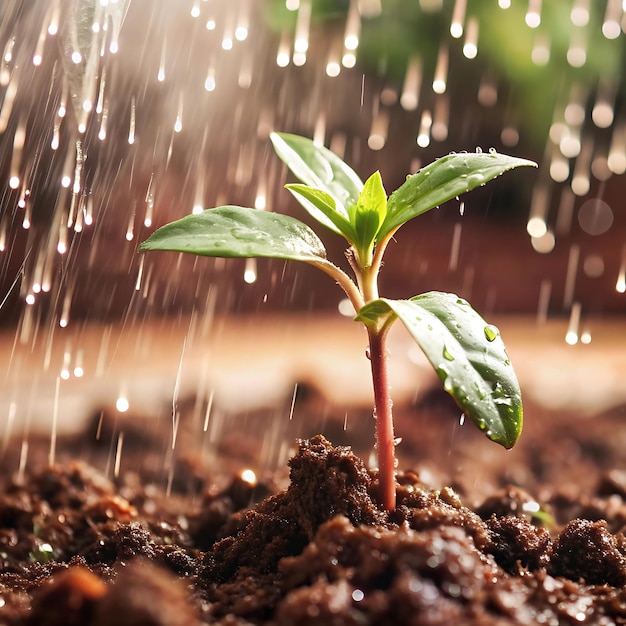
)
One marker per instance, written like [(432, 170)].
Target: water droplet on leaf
[(247, 235), (447, 355), (491, 332)]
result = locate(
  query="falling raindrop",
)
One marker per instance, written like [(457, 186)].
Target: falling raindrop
[(453, 261), (250, 271), (441, 71), (412, 82), (611, 28), (565, 211), (579, 15), (602, 113), (617, 151), (122, 404), (540, 54), (458, 18), (580, 178), (570, 276), (577, 51), (423, 137), (439, 130), (536, 225), (533, 14), (543, 304), (620, 285), (293, 401), (301, 42), (571, 337), (559, 166), (118, 454), (131, 129), (379, 129), (353, 27), (470, 47), (487, 92)]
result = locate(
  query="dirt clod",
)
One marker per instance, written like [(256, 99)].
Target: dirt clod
[(78, 548)]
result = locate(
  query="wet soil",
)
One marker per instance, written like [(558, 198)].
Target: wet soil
[(539, 539)]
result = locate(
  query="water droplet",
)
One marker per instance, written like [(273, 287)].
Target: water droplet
[(443, 374), (491, 332), (500, 397), (462, 419), (447, 355), (502, 400), (247, 235), (492, 151), (479, 150)]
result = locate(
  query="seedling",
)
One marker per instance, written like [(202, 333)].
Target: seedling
[(466, 352)]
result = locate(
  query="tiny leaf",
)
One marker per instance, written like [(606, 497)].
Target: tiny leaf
[(318, 167), (234, 231), (443, 180), (468, 355), (325, 203), (369, 212)]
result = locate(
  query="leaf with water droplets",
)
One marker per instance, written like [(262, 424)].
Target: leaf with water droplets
[(321, 169), (472, 367), (442, 180), (234, 231), (319, 200)]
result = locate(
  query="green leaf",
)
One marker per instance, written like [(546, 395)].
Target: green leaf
[(234, 231), (325, 203), (468, 355), (370, 211), (318, 167), (443, 180)]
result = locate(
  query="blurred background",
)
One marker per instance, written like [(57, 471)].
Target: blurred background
[(117, 116)]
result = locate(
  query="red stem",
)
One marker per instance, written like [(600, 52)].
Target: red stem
[(385, 442)]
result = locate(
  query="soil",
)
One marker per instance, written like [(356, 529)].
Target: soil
[(539, 538)]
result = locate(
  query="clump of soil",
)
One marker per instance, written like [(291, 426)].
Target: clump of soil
[(79, 548)]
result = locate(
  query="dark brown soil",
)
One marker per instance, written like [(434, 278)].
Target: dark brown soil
[(78, 547)]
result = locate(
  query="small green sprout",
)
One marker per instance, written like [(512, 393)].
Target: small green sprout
[(467, 353)]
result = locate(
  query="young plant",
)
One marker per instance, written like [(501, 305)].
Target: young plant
[(466, 352)]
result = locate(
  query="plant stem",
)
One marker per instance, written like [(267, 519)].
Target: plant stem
[(379, 251), (385, 442), (342, 279)]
